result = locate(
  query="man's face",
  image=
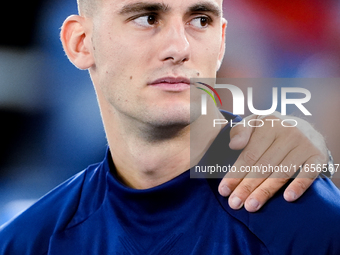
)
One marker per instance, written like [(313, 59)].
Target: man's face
[(145, 53)]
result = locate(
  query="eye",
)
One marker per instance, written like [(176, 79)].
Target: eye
[(201, 22), (146, 21)]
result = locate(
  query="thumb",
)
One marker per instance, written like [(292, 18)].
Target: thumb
[(241, 133)]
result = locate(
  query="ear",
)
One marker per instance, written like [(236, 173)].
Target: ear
[(222, 49), (76, 39)]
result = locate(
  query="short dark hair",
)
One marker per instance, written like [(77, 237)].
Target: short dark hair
[(86, 7)]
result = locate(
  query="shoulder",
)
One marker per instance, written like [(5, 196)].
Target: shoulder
[(29, 232), (310, 225)]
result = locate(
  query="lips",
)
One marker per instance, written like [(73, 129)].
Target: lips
[(171, 80), (171, 84)]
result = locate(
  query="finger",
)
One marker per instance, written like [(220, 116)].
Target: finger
[(240, 134), (257, 175), (258, 144), (263, 193), (242, 191), (281, 174), (267, 189), (304, 179), (276, 156), (240, 139), (230, 182)]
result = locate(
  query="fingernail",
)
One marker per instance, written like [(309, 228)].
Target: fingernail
[(254, 204), (291, 195), (225, 191), (235, 203)]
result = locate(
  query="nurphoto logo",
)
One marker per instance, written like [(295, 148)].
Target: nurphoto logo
[(239, 103)]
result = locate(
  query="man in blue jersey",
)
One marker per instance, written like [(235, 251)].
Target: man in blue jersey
[(141, 56)]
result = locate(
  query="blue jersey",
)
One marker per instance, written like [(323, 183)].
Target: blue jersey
[(94, 213)]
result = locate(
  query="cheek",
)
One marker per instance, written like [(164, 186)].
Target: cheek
[(123, 57), (214, 52), (206, 56), (119, 69), (111, 64)]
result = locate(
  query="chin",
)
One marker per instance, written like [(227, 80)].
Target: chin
[(177, 115), (171, 116), (173, 119)]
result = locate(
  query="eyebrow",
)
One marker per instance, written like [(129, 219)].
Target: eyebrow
[(144, 7), (206, 7)]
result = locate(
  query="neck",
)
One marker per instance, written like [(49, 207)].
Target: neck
[(146, 157)]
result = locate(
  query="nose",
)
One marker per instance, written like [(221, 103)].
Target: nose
[(175, 45)]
